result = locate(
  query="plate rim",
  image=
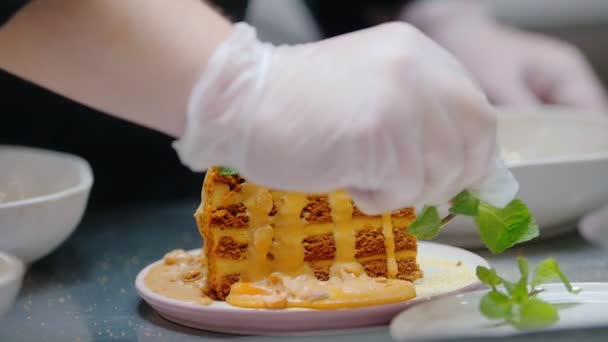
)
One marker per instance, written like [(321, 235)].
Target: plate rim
[(554, 287), (147, 294)]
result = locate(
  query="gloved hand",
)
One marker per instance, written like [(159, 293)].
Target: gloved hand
[(384, 113), (593, 227), (514, 68)]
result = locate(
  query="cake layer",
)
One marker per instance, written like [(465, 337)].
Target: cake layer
[(229, 248), (220, 289), (251, 232), (319, 247), (408, 269), (369, 242), (230, 216), (228, 212)]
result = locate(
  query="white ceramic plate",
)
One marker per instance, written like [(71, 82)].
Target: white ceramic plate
[(459, 317), (441, 277), (560, 159)]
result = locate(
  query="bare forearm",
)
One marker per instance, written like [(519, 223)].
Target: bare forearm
[(429, 15), (136, 59)]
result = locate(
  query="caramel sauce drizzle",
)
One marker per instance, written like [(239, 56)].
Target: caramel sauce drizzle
[(288, 250), (258, 202), (389, 245), (344, 235)]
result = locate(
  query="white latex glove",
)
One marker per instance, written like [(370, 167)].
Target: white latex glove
[(499, 188), (384, 113), (594, 227), (514, 68)]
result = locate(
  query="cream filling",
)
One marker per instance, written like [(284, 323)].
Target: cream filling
[(181, 276), (171, 279)]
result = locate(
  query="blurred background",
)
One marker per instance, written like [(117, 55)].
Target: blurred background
[(129, 158), (583, 23)]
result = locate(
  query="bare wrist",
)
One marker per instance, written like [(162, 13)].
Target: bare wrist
[(432, 15)]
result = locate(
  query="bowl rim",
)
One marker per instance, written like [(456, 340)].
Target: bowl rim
[(85, 176), (507, 113), (16, 269)]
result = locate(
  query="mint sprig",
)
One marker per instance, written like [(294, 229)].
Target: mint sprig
[(226, 171), (465, 204), (427, 224), (499, 228), (518, 304), (549, 270)]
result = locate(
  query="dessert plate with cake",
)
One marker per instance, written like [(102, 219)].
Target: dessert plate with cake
[(281, 262)]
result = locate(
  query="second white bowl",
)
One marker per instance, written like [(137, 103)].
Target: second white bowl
[(43, 195), (560, 158), (11, 275)]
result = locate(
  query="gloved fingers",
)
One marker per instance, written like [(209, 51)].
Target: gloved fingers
[(377, 202), (580, 89), (499, 187), (512, 90), (478, 129), (398, 175), (594, 228), (565, 77), (444, 151)]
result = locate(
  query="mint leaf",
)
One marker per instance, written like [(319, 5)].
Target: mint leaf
[(519, 292), (509, 286), (465, 204), (495, 305), (226, 171), (524, 269), (532, 233), (535, 314), (427, 224), (489, 276), (549, 270), (518, 306), (500, 229)]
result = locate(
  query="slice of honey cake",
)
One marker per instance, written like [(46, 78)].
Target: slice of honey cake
[(268, 248)]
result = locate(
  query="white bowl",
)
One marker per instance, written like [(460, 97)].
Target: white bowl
[(560, 158), (11, 276), (43, 195)]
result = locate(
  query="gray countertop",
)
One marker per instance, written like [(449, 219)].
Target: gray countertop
[(84, 290)]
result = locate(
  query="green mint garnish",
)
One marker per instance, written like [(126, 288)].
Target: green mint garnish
[(549, 270), (517, 304), (499, 229), (226, 171), (465, 204), (427, 224), (489, 276), (535, 313), (496, 305)]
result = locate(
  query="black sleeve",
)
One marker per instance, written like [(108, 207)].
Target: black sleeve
[(8, 8), (234, 9), (342, 16)]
